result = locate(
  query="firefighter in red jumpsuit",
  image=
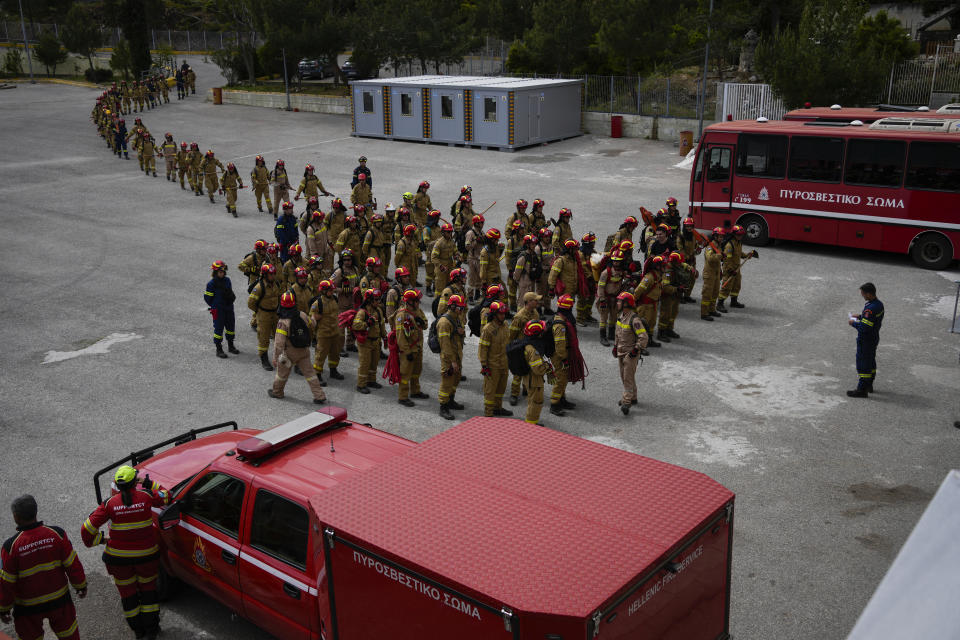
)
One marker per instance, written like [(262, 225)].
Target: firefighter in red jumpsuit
[(132, 552), (36, 565)]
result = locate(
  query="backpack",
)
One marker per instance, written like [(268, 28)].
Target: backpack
[(515, 358), (435, 305), (299, 332), (253, 285), (536, 266), (473, 317), (433, 341)]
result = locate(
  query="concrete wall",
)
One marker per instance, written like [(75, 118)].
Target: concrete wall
[(317, 104), (640, 126)]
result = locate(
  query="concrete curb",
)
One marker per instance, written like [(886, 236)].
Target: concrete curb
[(75, 83)]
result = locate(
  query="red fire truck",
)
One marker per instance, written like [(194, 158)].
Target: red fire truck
[(891, 186), (322, 528), (867, 115)]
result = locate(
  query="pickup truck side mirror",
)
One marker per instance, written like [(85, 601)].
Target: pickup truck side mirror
[(170, 517)]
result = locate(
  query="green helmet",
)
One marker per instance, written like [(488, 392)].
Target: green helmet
[(125, 476)]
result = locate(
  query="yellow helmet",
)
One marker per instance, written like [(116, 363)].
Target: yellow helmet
[(408, 196), (125, 475)]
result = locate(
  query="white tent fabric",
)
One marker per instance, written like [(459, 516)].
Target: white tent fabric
[(920, 595)]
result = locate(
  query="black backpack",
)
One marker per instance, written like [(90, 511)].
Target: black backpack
[(299, 332), (435, 306), (474, 319), (536, 266), (433, 340)]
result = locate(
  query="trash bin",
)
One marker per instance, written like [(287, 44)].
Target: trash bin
[(616, 126), (686, 142), (217, 95)]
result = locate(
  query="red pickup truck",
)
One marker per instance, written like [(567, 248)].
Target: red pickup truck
[(325, 528)]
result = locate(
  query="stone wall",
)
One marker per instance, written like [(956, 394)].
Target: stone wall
[(640, 126), (317, 104)]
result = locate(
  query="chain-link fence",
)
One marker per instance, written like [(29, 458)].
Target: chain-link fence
[(159, 38)]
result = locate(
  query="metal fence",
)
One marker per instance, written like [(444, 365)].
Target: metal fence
[(740, 101), (932, 81), (159, 38)]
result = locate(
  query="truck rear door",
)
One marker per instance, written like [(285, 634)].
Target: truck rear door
[(374, 597), (686, 598)]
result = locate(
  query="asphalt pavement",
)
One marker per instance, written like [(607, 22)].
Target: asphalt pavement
[(104, 275)]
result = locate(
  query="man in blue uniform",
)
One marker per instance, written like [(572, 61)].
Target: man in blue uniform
[(219, 297), (365, 170), (867, 325), (286, 231)]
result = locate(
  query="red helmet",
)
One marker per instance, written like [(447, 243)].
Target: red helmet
[(359, 209), (494, 291), (446, 227), (346, 253), (661, 212), (671, 201), (570, 244), (493, 234), (412, 295), (377, 217), (674, 257), (565, 301), (317, 215), (312, 200), (534, 328), (617, 254), (626, 246), (193, 145), (565, 213), (403, 211), (288, 300), (478, 219), (718, 231), (272, 248), (350, 220), (259, 159), (371, 294), (300, 272), (259, 244), (401, 272), (466, 199), (466, 189), (371, 261), (657, 261), (424, 185), (529, 239), (588, 238), (516, 224), (325, 285), (337, 203), (231, 166), (314, 261), (209, 153), (295, 249), (409, 229), (538, 203), (546, 234), (308, 168), (631, 221), (628, 299), (688, 222), (287, 205), (434, 214), (361, 176), (456, 273), (498, 307), (737, 229), (456, 300), (281, 163), (267, 268), (664, 228), (522, 204), (183, 145), (218, 265)]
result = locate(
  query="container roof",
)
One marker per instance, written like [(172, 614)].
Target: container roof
[(468, 82), (807, 128), (529, 517)]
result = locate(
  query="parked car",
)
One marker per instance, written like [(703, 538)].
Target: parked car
[(353, 72), (315, 69)]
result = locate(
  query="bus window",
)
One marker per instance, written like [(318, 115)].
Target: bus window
[(816, 159), (934, 165), (718, 165), (761, 156), (875, 163)]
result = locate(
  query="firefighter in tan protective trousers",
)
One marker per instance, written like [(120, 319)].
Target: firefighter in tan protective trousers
[(493, 360), (410, 323), (712, 261), (538, 368), (369, 331), (264, 300), (208, 171), (260, 181), (325, 311), (526, 313), (631, 338), (450, 333), (168, 150), (287, 355)]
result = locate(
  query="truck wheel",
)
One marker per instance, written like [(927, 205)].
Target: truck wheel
[(167, 585), (757, 232), (932, 251)]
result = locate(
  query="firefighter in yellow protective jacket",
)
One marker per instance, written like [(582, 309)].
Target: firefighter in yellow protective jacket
[(733, 259), (489, 261), (451, 333), (631, 339), (408, 251), (647, 294), (539, 367), (527, 313), (563, 273), (229, 183), (368, 329), (208, 169), (263, 300), (712, 262), (183, 166), (287, 354), (260, 182), (444, 257), (310, 186), (168, 151), (492, 353), (325, 311), (563, 230), (410, 323), (194, 160), (149, 149), (421, 204)]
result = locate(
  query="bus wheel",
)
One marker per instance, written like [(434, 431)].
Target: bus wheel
[(932, 251), (757, 232)]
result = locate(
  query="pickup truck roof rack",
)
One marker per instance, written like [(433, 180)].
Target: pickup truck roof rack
[(136, 457)]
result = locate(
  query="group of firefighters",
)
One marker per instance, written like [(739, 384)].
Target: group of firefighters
[(324, 283)]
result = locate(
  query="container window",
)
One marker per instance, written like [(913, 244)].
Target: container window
[(280, 529), (406, 104), (762, 156), (934, 166), (446, 106), (217, 499), (368, 102), (718, 169), (816, 159), (876, 163), (490, 109)]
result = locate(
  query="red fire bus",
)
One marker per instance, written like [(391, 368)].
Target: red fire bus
[(867, 115), (890, 186)]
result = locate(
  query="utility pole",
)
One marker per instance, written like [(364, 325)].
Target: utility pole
[(706, 58), (26, 45), (286, 78)]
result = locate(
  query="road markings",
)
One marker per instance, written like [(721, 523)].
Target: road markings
[(99, 347)]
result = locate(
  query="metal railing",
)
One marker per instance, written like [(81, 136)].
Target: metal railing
[(927, 80), (741, 101), (159, 38)]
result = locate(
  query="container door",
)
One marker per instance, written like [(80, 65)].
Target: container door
[(712, 178), (533, 117), (687, 598), (278, 592), (374, 597), (368, 109), (407, 112), (490, 118), (447, 121)]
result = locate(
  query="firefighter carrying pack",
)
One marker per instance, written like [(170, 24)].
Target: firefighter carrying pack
[(299, 335), (515, 358)]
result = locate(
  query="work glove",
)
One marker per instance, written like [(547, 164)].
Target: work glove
[(410, 357), (421, 322), (485, 371), (634, 352), (755, 254), (147, 483), (213, 313), (614, 351)]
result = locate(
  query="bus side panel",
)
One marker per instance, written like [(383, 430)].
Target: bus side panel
[(863, 235)]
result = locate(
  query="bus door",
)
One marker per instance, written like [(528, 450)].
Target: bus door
[(712, 189)]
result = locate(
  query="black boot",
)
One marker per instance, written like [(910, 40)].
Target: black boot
[(858, 393), (715, 314), (708, 318), (500, 411), (335, 375), (320, 379), (220, 353), (557, 410), (566, 404), (265, 362), (653, 343), (662, 336), (722, 308), (232, 349), (611, 332), (736, 304), (453, 404), (672, 334), (624, 408), (603, 337), (445, 412)]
